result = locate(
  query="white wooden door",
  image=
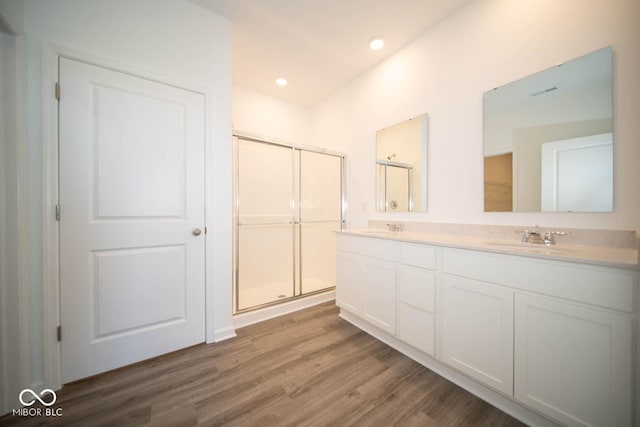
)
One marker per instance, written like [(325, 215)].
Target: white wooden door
[(478, 331), (131, 196), (573, 363)]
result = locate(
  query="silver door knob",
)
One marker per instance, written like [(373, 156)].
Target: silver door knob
[(196, 231)]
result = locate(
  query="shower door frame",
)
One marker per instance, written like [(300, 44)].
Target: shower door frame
[(409, 168), (295, 220)]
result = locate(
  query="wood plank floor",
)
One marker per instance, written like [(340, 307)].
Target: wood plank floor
[(309, 368)]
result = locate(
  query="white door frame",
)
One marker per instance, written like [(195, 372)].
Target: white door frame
[(50, 235)]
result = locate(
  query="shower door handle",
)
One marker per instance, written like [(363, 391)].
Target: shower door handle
[(196, 231)]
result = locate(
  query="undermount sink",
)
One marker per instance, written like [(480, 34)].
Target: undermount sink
[(532, 247)]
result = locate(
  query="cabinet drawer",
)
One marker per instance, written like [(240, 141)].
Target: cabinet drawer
[(418, 255), (417, 287), (601, 286), (416, 328), (376, 248)]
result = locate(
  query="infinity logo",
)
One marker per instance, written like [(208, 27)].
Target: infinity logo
[(37, 397)]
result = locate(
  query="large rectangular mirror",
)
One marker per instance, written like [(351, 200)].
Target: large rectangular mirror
[(548, 139), (401, 166)]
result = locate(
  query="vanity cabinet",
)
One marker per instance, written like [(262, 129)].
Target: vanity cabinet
[(573, 362), (477, 332), (555, 337)]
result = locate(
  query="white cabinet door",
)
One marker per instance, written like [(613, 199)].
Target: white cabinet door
[(349, 282), (573, 363), (478, 331), (380, 293)]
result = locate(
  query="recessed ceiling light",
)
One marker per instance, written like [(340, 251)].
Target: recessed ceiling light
[(281, 81), (376, 44)]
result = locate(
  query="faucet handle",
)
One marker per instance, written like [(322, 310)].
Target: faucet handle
[(549, 236), (526, 236)]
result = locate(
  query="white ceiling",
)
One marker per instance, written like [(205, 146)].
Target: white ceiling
[(319, 46)]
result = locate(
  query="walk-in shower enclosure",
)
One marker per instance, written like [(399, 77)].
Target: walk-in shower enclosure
[(289, 201)]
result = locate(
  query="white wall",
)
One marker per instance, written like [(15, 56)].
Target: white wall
[(13, 269), (262, 115), (444, 74), (174, 39)]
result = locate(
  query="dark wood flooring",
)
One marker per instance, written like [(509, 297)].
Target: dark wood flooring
[(309, 368)]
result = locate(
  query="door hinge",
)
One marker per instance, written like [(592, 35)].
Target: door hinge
[(58, 91), (57, 212), (59, 333), (205, 230)]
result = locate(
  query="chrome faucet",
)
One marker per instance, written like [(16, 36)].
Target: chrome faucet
[(532, 236), (535, 236), (549, 237)]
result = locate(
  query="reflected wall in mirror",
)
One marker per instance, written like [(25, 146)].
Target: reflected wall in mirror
[(401, 166), (548, 139)]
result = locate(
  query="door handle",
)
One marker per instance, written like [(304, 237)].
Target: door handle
[(196, 231)]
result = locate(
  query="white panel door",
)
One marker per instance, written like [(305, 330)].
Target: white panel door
[(577, 174), (478, 331), (131, 196), (573, 363)]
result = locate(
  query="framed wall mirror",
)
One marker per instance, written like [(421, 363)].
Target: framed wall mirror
[(401, 166), (548, 139)]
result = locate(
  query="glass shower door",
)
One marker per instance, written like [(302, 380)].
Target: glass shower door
[(264, 224), (320, 214), (394, 187), (398, 188)]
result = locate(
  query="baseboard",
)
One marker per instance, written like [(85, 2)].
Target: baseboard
[(246, 319), (223, 334)]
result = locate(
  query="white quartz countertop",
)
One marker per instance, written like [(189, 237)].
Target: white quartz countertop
[(595, 255)]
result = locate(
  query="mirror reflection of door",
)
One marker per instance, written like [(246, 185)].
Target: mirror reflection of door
[(577, 174)]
